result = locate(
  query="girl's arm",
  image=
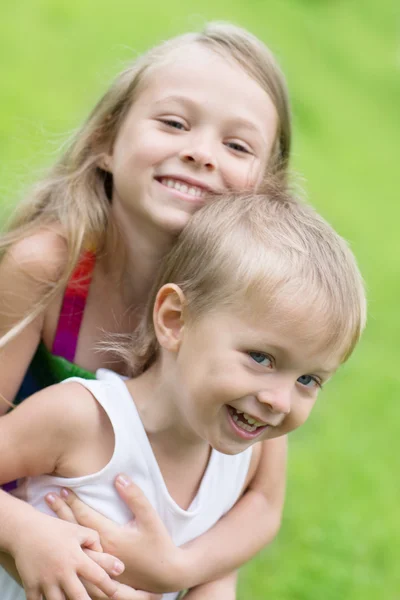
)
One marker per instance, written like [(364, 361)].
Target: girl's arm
[(250, 525), (154, 563), (27, 272), (52, 554), (48, 553), (221, 589)]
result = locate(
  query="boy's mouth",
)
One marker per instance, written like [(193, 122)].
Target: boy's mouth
[(245, 421)]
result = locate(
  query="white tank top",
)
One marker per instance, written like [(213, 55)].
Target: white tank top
[(219, 490)]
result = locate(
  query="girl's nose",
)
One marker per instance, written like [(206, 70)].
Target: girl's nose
[(199, 157)]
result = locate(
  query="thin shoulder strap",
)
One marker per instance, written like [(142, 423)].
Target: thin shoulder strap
[(73, 307)]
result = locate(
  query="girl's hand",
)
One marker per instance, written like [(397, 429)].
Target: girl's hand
[(124, 592), (50, 560), (152, 560)]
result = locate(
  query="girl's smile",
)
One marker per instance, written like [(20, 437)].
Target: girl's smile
[(186, 187), (199, 125)]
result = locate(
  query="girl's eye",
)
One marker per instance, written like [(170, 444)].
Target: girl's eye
[(309, 381), (261, 359), (173, 123), (238, 147)]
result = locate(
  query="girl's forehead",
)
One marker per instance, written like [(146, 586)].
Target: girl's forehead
[(200, 69), (195, 56), (200, 76)]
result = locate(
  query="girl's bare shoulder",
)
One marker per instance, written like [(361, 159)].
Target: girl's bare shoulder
[(43, 255)]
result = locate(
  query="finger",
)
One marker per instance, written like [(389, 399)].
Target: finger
[(94, 592), (62, 510), (111, 565), (90, 539), (94, 574), (74, 589), (138, 504), (54, 593), (124, 592), (32, 594), (84, 515)]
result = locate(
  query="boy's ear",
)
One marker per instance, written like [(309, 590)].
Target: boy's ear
[(168, 316)]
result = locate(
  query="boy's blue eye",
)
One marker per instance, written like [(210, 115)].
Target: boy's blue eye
[(309, 381), (261, 358)]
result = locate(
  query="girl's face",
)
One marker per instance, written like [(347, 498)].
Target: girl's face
[(199, 126)]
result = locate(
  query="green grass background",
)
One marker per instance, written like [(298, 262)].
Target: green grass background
[(341, 529)]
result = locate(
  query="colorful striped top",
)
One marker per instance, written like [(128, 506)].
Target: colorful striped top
[(52, 367)]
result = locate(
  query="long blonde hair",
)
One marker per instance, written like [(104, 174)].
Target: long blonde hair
[(270, 248), (76, 193)]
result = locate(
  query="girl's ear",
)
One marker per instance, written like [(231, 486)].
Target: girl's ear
[(168, 316), (105, 162)]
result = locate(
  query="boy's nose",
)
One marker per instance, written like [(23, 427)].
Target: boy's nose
[(278, 400)]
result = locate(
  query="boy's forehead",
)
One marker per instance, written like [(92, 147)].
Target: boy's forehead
[(292, 328)]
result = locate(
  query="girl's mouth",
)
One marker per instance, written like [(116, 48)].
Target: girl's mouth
[(188, 189)]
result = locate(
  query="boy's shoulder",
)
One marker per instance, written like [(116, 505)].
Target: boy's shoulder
[(70, 404), (58, 430)]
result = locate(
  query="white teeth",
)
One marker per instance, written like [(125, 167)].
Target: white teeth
[(245, 421), (194, 191)]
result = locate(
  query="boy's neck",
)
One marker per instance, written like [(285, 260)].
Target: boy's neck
[(181, 456), (155, 400)]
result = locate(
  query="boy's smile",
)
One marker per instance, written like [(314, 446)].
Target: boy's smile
[(246, 425), (240, 378)]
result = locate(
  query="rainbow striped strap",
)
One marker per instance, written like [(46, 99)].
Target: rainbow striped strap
[(73, 307)]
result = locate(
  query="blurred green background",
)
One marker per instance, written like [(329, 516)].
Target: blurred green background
[(341, 529)]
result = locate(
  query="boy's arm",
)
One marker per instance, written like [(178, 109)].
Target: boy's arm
[(154, 563), (48, 553)]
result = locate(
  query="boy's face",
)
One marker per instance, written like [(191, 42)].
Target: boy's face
[(247, 378)]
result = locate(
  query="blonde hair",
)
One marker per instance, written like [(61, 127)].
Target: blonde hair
[(267, 247), (76, 194)]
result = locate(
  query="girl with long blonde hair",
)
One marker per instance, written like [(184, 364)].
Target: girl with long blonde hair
[(194, 117)]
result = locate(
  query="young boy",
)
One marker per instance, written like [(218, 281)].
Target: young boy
[(256, 306)]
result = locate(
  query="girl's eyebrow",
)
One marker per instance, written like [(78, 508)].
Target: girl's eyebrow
[(242, 122), (178, 99)]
